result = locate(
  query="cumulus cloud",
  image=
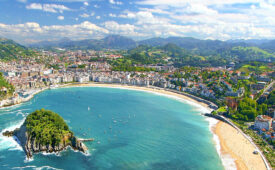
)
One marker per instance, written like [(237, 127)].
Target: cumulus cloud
[(214, 19), (85, 15), (33, 31), (123, 29), (54, 8), (115, 2), (180, 3), (60, 17), (86, 3), (112, 15)]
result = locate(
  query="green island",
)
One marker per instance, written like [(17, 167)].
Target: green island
[(45, 131)]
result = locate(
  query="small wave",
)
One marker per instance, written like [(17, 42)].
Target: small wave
[(8, 142), (76, 151), (227, 161), (35, 167), (53, 153), (67, 121), (28, 159)]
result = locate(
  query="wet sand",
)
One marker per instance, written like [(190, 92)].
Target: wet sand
[(238, 147)]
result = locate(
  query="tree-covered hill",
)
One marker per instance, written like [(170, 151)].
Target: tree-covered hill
[(47, 127), (6, 89), (10, 50), (251, 53)]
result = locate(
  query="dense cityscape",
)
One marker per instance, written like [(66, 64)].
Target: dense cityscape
[(239, 91)]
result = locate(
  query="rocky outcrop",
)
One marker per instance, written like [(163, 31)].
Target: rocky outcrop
[(30, 145)]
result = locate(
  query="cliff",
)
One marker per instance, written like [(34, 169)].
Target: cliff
[(45, 139)]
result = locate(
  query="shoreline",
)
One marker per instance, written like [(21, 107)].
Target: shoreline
[(226, 156), (152, 89), (236, 145)]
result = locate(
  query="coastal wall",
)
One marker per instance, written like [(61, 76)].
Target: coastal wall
[(218, 117), (209, 103)]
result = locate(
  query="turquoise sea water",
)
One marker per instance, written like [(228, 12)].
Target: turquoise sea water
[(133, 130)]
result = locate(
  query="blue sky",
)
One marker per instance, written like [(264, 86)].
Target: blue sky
[(29, 21)]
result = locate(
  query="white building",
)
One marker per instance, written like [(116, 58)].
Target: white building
[(263, 122)]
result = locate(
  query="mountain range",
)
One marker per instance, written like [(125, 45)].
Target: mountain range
[(189, 43), (260, 50)]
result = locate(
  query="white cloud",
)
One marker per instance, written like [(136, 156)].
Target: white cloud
[(112, 15), (144, 17), (199, 9), (121, 29), (181, 3), (34, 31), (86, 3), (34, 6), (60, 17), (70, 0), (213, 19), (54, 8), (85, 15), (115, 2)]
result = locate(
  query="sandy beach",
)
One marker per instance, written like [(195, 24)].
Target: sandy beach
[(146, 89), (232, 146), (238, 147)]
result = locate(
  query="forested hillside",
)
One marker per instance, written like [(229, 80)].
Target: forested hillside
[(6, 89), (10, 50)]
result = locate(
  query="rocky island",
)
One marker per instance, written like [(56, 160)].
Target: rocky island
[(45, 131)]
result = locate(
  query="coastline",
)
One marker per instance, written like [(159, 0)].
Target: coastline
[(225, 150), (233, 143), (155, 90)]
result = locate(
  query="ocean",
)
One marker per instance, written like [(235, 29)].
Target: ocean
[(132, 130)]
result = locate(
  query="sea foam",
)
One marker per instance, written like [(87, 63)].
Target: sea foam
[(227, 161), (9, 142)]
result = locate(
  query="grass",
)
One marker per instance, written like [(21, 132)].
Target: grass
[(250, 68), (222, 109)]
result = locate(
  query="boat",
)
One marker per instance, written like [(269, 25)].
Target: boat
[(88, 108)]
